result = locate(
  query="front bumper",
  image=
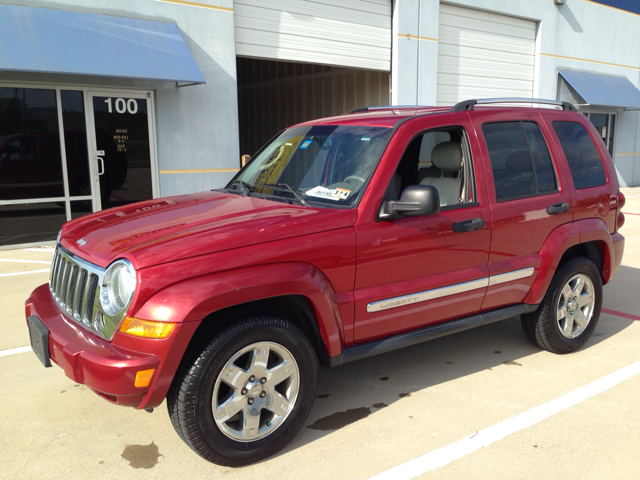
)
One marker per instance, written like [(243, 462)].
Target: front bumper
[(105, 367)]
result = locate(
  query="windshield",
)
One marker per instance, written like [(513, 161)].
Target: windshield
[(322, 164)]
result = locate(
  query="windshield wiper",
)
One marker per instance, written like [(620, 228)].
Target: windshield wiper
[(285, 186), (245, 188)]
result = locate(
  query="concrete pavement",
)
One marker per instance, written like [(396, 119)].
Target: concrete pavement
[(369, 416)]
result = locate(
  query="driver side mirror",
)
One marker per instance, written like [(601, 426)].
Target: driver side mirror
[(415, 201)]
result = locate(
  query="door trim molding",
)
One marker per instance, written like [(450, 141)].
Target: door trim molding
[(450, 290)]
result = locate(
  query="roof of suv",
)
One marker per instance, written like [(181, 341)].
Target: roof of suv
[(389, 116)]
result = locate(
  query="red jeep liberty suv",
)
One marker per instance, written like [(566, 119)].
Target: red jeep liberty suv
[(342, 238)]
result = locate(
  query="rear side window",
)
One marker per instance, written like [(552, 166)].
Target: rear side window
[(582, 155), (520, 159)]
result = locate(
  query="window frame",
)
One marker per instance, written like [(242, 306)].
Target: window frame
[(468, 161), (554, 167)]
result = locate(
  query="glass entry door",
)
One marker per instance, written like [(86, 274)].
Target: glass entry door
[(122, 147)]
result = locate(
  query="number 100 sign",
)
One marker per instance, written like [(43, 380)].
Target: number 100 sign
[(122, 105)]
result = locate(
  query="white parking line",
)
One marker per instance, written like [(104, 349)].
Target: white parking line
[(445, 455), (11, 260), (13, 351), (23, 273), (40, 249)]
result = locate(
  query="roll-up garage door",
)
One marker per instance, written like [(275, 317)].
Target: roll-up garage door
[(348, 33), (484, 55)]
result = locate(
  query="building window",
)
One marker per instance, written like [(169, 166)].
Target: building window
[(605, 124)]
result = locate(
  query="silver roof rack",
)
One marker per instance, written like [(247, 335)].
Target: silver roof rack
[(469, 104), (384, 107)]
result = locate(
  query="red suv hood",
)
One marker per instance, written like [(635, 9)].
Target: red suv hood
[(172, 228)]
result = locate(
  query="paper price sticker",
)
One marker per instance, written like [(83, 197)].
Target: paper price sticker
[(329, 193)]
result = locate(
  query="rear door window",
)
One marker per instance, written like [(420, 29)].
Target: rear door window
[(520, 160), (582, 155)]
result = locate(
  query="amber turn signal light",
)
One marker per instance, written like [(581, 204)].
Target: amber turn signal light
[(146, 328), (143, 378)]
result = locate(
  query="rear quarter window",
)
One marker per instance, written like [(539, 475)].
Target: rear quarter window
[(582, 155)]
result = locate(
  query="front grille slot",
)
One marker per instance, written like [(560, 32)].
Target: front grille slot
[(73, 284), (72, 288), (64, 286), (80, 291), (91, 295)]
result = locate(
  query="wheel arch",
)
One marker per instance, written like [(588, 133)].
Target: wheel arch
[(296, 308), (588, 238), (296, 291)]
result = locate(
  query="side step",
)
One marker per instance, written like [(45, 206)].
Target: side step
[(413, 337)]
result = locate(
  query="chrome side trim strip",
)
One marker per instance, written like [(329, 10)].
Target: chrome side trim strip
[(450, 290), (428, 295), (510, 276)]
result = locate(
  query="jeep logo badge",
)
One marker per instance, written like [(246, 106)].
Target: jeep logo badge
[(82, 242)]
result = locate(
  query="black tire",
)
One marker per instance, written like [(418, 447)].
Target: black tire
[(191, 394), (542, 327)]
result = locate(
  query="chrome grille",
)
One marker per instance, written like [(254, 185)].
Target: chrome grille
[(73, 283)]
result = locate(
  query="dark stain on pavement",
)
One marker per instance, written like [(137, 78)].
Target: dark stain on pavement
[(324, 395), (512, 362), (340, 419), (403, 395), (497, 351), (379, 405), (449, 363), (142, 456), (63, 391), (384, 379)]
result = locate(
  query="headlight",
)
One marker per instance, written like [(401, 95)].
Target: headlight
[(117, 287)]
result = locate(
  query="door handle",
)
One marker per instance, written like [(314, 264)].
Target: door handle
[(558, 208), (468, 225), (100, 165)]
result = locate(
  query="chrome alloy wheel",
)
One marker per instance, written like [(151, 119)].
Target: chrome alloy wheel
[(575, 306), (255, 391)]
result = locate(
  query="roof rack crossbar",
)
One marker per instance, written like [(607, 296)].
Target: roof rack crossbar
[(469, 104), (383, 107)]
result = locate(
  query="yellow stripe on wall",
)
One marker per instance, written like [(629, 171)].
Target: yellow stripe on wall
[(590, 61), (415, 37), (626, 154), (194, 4), (203, 170)]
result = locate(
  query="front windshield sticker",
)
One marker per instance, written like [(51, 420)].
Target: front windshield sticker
[(305, 144), (329, 193)]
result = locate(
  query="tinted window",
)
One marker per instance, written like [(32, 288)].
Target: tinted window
[(582, 155), (30, 157), (520, 159), (541, 159)]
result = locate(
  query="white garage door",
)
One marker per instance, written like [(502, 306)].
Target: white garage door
[(349, 33), (484, 55)]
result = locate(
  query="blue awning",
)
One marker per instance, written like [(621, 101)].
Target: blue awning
[(603, 90), (60, 41)]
